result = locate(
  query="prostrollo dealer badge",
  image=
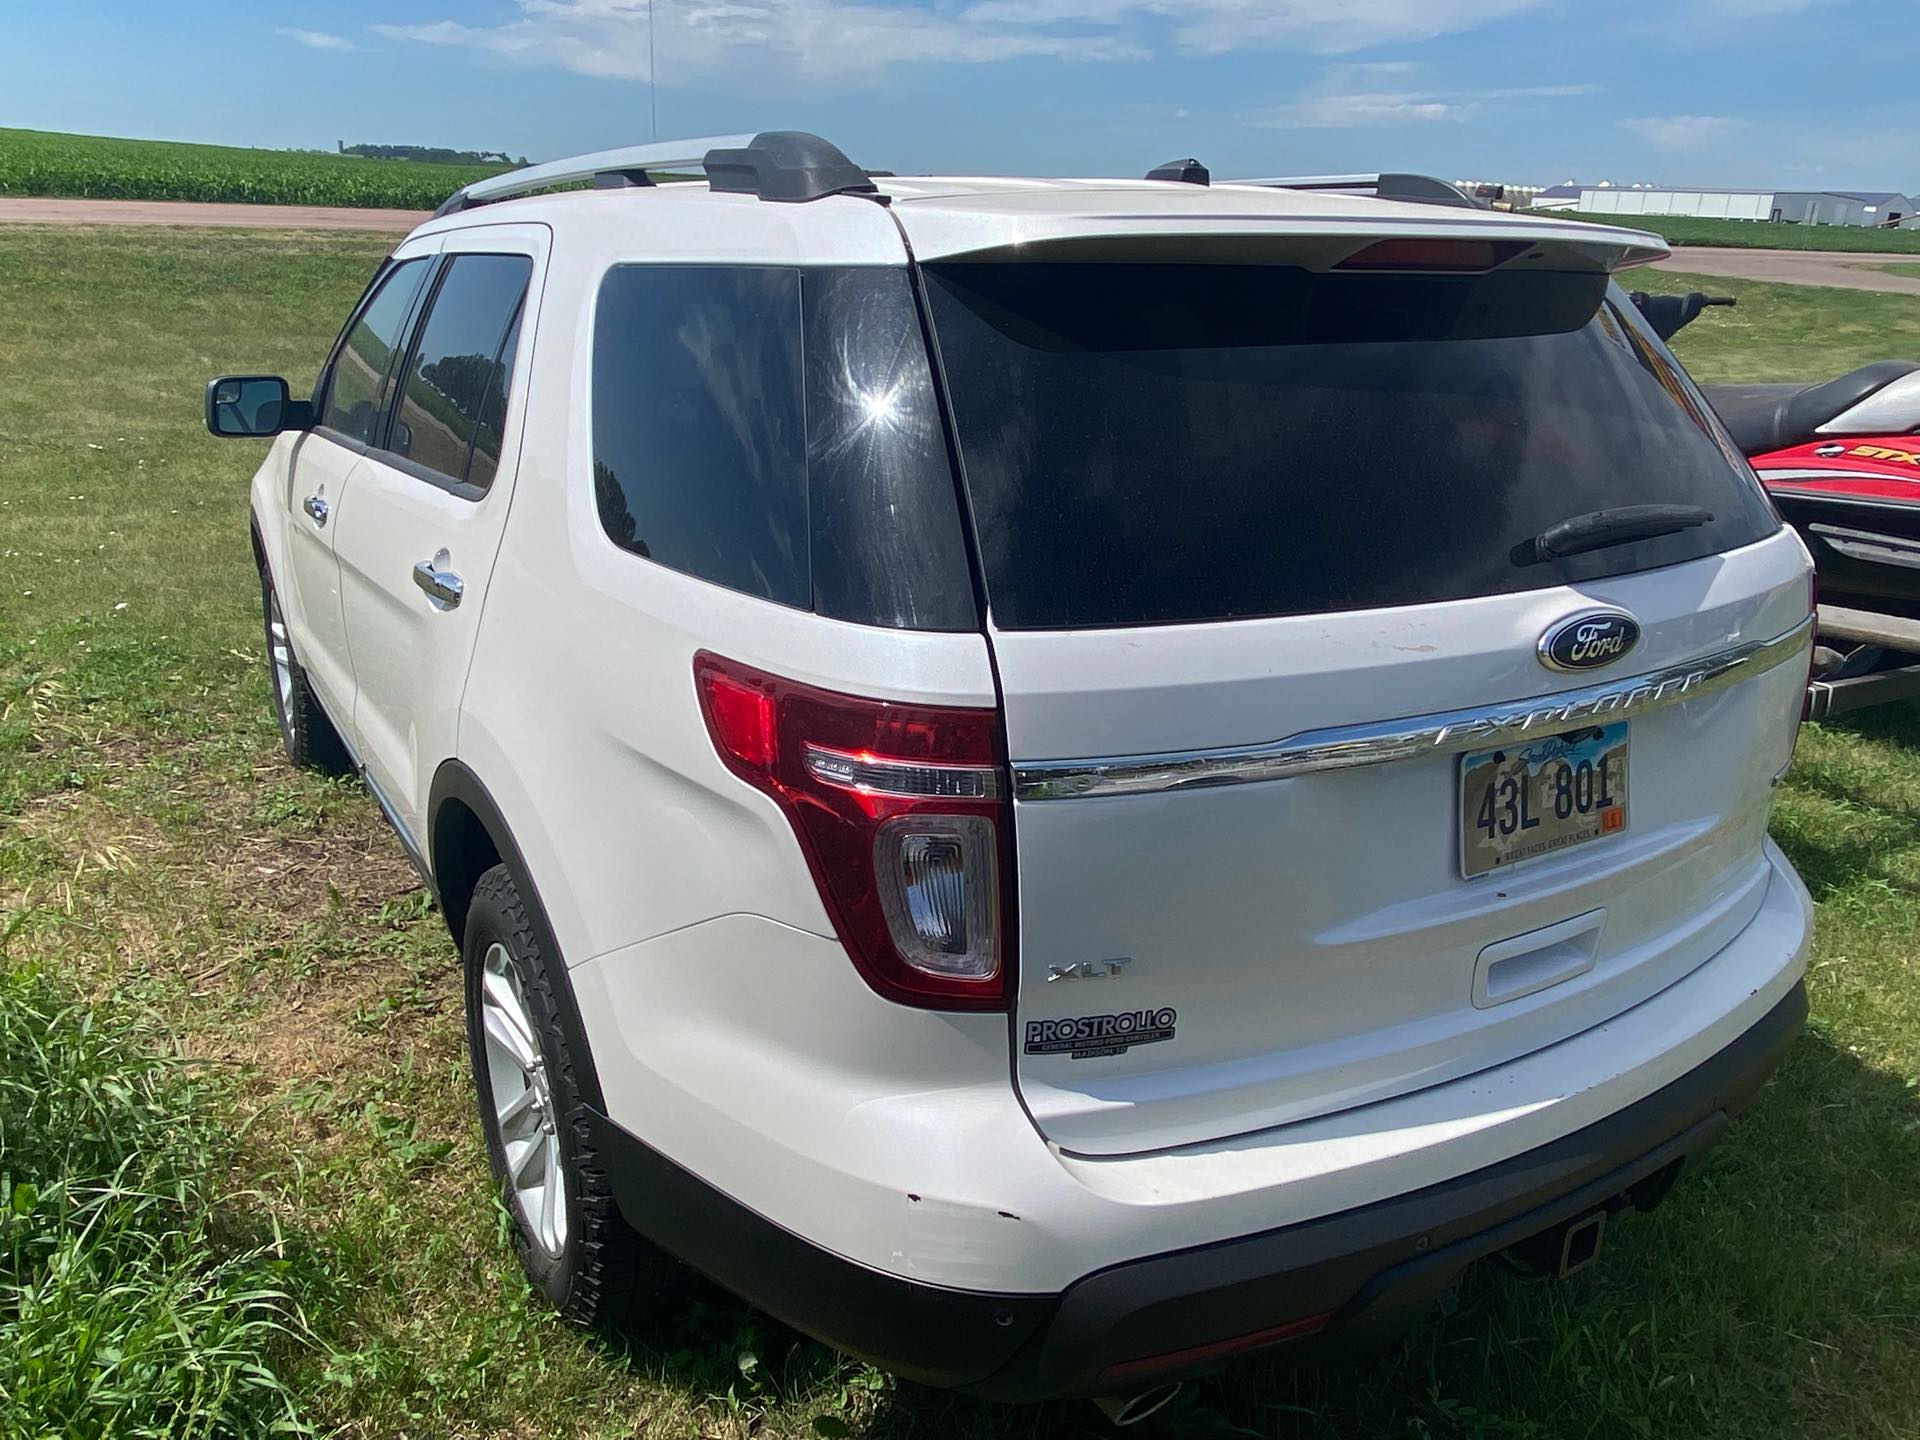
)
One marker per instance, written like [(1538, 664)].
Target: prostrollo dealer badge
[(1088, 1035)]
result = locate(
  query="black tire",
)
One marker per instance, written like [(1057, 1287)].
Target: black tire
[(307, 735), (602, 1272)]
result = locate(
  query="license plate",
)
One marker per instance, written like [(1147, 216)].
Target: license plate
[(1538, 796)]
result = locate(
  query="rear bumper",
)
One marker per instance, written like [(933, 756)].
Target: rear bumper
[(1367, 1270)]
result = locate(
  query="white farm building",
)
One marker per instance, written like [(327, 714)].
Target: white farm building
[(1799, 207)]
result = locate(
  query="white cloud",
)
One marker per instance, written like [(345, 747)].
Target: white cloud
[(827, 39), (1683, 132), (1214, 27), (1751, 8), (1336, 107), (1363, 110), (316, 39), (815, 39)]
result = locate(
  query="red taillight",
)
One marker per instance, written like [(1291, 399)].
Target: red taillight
[(901, 813), (1456, 257)]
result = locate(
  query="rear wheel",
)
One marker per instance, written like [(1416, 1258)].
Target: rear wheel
[(306, 733), (572, 1241)]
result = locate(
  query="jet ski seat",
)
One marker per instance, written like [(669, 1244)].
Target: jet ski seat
[(1762, 418)]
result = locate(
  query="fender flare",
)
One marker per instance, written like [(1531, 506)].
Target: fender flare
[(454, 781)]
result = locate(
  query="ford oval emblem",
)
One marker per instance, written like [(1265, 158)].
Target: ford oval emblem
[(1589, 641)]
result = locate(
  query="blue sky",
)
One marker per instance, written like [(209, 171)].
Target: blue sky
[(1818, 93)]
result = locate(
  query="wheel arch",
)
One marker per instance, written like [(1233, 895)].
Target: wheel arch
[(466, 836)]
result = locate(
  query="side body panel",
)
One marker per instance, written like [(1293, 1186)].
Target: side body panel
[(317, 471), (580, 715), (298, 498), (411, 652)]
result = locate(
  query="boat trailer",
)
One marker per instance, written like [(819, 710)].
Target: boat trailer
[(1861, 658)]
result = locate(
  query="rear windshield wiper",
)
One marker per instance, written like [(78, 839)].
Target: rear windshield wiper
[(1601, 528)]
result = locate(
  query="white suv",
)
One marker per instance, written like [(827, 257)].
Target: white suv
[(1053, 781)]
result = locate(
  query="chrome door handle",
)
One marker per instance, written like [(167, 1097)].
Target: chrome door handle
[(316, 506), (443, 587)]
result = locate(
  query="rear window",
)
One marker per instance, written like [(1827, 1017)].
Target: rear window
[(1152, 444)]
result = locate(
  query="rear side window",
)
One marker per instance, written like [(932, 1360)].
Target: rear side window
[(462, 363), (775, 430), (1152, 444), (699, 440), (356, 386)]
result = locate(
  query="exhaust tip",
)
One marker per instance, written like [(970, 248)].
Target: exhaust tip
[(1123, 1410)]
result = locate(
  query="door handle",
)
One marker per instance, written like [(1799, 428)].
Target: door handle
[(316, 506), (443, 587)]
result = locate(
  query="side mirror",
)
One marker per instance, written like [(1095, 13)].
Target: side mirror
[(246, 407)]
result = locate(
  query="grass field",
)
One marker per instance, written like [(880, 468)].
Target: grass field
[(1788, 332), (275, 1044), (1901, 269), (1755, 234), (42, 162)]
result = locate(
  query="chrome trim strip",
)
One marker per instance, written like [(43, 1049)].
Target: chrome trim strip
[(914, 779), (1348, 746)]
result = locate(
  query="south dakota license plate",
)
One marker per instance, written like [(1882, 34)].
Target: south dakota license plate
[(1539, 796)]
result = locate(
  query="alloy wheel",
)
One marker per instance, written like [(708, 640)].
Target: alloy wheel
[(523, 1102), (280, 652)]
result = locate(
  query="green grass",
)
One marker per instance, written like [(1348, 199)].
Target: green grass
[(41, 162), (158, 857), (1759, 234), (128, 1304), (1787, 332), (1901, 269)]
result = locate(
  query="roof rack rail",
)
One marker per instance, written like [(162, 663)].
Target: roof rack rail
[(1186, 172), (1388, 185), (788, 165)]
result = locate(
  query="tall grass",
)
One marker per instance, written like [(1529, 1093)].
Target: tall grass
[(127, 1308)]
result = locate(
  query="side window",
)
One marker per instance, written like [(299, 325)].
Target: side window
[(699, 428), (356, 386), (493, 410), (454, 397)]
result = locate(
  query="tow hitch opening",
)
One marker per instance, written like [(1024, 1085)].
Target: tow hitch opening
[(1563, 1249)]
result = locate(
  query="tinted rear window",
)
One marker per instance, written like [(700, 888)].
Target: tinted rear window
[(775, 430), (1151, 444)]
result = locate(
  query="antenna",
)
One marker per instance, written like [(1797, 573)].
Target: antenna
[(653, 106)]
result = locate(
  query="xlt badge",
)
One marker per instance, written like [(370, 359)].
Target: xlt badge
[(1089, 970)]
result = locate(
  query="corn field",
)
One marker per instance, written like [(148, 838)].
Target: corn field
[(40, 162)]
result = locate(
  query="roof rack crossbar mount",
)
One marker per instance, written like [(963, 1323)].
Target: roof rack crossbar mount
[(664, 155)]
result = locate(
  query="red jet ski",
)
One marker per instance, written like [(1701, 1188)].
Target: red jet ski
[(1842, 461)]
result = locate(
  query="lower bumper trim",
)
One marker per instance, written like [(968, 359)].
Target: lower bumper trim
[(1354, 1277)]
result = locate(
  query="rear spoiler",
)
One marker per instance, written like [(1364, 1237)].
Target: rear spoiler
[(1241, 225)]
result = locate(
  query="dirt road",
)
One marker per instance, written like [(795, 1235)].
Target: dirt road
[(30, 210), (1844, 271)]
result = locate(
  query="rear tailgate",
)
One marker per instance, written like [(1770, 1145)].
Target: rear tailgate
[(1312, 936), (1255, 544)]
